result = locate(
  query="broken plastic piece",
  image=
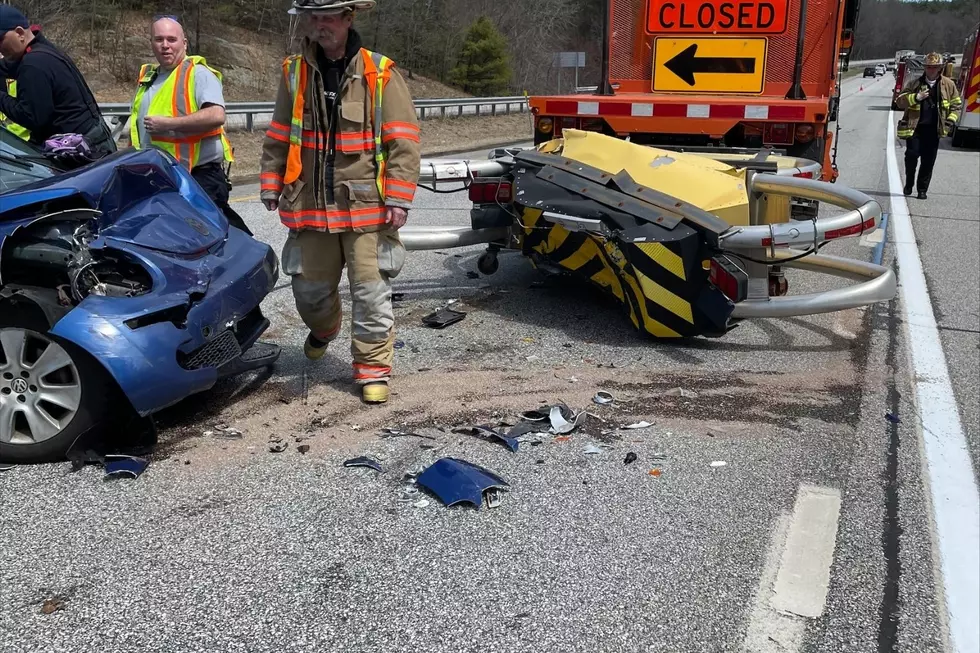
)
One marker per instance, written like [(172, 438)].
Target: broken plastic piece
[(442, 318), (719, 463), (492, 497), (363, 461), (118, 465), (393, 433), (455, 481), (485, 432), (894, 419), (654, 472), (594, 449), (603, 398), (4, 468), (225, 433), (303, 448), (560, 424), (680, 392), (630, 458), (639, 425)]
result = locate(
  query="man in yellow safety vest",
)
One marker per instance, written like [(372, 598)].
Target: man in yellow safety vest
[(340, 161), (17, 130), (180, 108)]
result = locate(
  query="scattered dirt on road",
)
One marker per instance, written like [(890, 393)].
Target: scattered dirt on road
[(332, 417)]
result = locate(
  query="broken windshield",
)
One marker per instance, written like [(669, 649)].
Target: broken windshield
[(19, 163)]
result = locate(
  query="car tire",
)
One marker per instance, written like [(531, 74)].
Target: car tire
[(83, 388)]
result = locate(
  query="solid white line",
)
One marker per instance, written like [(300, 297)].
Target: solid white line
[(769, 631), (948, 471), (804, 573)]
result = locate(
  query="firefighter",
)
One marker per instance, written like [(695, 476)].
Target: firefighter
[(179, 107), (932, 105), (340, 162)]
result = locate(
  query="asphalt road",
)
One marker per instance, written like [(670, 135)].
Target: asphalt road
[(815, 535)]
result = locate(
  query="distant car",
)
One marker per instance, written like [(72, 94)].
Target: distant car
[(122, 288), (869, 72), (880, 70)]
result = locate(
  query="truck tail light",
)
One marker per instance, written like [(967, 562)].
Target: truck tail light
[(491, 191), (804, 133), (778, 132), (729, 278), (545, 124)]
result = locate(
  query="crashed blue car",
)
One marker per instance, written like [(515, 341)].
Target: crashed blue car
[(123, 290)]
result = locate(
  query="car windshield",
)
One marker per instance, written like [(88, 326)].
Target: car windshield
[(20, 163)]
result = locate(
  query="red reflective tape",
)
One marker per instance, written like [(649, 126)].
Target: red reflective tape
[(277, 136), (400, 194), (851, 231), (727, 111), (615, 109), (561, 106), (400, 183), (670, 110), (777, 112)]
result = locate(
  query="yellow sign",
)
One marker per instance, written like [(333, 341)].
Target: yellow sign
[(709, 65)]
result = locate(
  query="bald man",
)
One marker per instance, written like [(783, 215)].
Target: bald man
[(180, 108)]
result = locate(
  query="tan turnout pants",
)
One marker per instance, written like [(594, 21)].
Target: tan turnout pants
[(315, 261)]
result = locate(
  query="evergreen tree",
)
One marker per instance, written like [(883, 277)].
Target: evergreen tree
[(483, 67)]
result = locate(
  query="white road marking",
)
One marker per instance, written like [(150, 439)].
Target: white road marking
[(796, 573), (948, 472), (872, 239), (804, 573)]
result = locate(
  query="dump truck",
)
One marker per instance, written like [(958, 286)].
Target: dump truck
[(716, 76)]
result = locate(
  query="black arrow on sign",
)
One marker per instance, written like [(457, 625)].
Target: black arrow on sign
[(685, 64)]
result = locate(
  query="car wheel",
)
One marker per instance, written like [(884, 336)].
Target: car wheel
[(51, 391)]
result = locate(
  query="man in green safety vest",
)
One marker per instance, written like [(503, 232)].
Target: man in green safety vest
[(180, 108), (17, 130)]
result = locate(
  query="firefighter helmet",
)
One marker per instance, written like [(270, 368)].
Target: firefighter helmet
[(330, 6), (933, 59)]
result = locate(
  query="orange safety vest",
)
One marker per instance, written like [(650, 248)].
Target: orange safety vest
[(377, 72)]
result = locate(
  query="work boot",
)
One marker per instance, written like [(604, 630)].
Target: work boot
[(375, 393), (922, 195), (908, 188), (314, 348)]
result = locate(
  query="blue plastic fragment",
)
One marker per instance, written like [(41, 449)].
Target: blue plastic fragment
[(117, 466), (456, 481), (894, 419)]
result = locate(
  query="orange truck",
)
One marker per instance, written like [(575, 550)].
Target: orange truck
[(716, 76)]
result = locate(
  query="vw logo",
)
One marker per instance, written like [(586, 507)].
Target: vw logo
[(19, 386)]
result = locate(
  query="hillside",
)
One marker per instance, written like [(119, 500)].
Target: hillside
[(110, 55)]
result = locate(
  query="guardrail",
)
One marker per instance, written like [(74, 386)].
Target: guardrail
[(477, 106)]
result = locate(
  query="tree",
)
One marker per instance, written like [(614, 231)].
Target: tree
[(483, 67)]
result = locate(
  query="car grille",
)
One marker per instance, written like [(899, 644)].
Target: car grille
[(222, 349)]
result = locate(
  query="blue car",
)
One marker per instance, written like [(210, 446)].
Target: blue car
[(123, 290)]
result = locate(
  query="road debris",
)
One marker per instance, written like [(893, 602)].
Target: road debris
[(303, 448), (117, 466), (225, 433), (277, 444), (630, 458), (592, 449), (719, 463), (395, 433), (603, 398), (655, 472), (457, 481), (442, 318), (363, 461), (51, 606), (639, 425), (680, 392), (564, 420), (894, 419), (484, 432)]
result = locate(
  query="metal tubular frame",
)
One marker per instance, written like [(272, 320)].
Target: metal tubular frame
[(772, 243)]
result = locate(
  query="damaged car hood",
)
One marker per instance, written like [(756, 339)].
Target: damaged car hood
[(144, 199)]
